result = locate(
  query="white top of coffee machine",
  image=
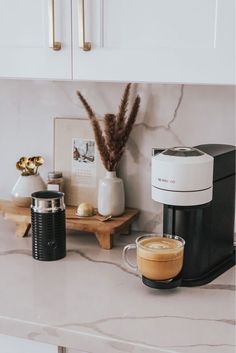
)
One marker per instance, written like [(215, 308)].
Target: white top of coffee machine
[(182, 176)]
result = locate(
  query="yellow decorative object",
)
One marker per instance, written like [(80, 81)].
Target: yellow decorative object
[(22, 162), (38, 161), (29, 166), (85, 209)]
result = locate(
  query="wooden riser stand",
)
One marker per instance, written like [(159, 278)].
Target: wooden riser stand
[(103, 231)]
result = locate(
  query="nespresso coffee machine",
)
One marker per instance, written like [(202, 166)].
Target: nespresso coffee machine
[(197, 187)]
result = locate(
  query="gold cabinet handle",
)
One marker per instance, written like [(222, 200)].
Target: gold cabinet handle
[(86, 46), (52, 42)]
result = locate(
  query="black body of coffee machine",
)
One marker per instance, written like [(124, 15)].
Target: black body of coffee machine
[(208, 229)]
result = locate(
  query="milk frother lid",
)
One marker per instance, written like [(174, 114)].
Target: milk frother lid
[(47, 201)]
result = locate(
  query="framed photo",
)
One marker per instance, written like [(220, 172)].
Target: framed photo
[(77, 157)]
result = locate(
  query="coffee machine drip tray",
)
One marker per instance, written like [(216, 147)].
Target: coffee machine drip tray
[(207, 277), (173, 283)]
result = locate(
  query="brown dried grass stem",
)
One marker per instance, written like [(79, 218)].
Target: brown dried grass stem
[(111, 142)]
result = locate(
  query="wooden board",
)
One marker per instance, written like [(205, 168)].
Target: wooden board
[(103, 230)]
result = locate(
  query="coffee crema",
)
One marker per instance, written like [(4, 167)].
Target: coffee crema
[(160, 258)]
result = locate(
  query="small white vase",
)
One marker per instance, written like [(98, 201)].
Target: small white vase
[(111, 195), (24, 187)]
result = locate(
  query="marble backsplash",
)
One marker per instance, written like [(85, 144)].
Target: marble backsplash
[(170, 115)]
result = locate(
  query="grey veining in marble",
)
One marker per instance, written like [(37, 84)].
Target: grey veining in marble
[(88, 301), (169, 115), (121, 267), (168, 126), (220, 286), (16, 252)]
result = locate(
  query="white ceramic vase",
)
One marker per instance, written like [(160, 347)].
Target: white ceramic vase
[(111, 195), (24, 187)]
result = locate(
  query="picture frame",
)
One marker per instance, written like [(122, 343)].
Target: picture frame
[(77, 157)]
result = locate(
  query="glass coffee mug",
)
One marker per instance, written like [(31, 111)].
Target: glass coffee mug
[(159, 257)]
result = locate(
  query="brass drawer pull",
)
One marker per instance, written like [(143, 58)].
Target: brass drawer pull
[(86, 46), (52, 42)]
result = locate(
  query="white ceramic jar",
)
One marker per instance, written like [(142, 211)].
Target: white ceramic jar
[(24, 187), (111, 196)]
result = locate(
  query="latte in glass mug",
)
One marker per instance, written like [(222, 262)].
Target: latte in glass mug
[(158, 257)]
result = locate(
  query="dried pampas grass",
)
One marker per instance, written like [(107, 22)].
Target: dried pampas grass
[(117, 128)]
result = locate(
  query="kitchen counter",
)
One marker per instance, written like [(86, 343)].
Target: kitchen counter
[(89, 301)]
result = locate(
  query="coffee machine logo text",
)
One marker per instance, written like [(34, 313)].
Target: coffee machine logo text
[(162, 180)]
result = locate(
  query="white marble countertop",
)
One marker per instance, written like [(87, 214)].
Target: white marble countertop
[(90, 302)]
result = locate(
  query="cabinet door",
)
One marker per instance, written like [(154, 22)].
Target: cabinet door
[(188, 41), (10, 344), (26, 29)]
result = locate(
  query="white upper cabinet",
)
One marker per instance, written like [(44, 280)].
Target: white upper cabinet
[(27, 29), (189, 41), (174, 41)]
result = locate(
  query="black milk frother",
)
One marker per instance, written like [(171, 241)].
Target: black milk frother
[(48, 225)]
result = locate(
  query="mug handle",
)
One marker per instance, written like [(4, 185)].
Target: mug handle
[(125, 257)]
